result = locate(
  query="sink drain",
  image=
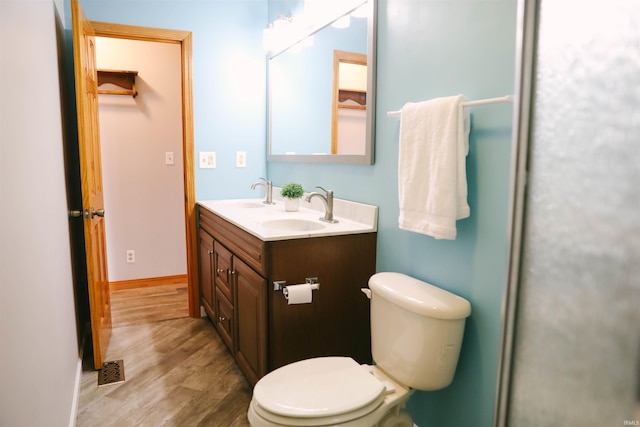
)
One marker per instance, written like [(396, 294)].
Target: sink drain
[(111, 373)]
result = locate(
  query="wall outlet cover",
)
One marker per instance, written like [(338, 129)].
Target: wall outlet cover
[(207, 160), (168, 158), (241, 159)]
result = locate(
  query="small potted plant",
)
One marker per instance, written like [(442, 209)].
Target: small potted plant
[(292, 192)]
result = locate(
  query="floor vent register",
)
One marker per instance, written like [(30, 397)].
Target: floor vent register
[(111, 373)]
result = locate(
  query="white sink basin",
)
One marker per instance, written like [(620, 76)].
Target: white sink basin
[(292, 224)]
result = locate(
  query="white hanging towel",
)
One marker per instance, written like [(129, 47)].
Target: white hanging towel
[(432, 177)]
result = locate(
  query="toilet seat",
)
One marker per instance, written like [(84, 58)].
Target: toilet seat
[(319, 391)]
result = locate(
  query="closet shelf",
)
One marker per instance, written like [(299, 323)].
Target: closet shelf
[(124, 79)]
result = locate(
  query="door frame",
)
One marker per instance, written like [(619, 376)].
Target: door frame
[(183, 38)]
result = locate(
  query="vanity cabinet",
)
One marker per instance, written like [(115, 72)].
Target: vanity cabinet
[(260, 328), (233, 295)]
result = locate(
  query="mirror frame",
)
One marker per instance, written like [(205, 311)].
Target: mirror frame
[(360, 159)]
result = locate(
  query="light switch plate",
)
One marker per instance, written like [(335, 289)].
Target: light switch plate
[(207, 160)]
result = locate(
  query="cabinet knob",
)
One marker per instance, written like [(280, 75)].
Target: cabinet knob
[(220, 270), (221, 319), (232, 272)]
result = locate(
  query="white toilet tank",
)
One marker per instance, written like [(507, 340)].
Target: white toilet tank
[(416, 330)]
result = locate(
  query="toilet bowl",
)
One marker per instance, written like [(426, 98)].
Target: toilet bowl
[(416, 334), (328, 391)]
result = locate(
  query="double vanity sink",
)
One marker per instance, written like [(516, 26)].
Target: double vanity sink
[(270, 222), (246, 246)]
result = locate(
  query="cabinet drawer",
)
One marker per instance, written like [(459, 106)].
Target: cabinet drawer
[(223, 273), (224, 322), (244, 245)]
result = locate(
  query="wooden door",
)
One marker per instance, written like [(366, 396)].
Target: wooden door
[(84, 56)]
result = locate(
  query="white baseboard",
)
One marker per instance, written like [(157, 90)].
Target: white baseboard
[(76, 395), (76, 388)]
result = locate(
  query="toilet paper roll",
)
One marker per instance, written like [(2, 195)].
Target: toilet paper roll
[(298, 294)]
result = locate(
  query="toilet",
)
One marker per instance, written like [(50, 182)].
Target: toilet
[(416, 333)]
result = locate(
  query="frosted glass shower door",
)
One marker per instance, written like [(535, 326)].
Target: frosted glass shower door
[(577, 333)]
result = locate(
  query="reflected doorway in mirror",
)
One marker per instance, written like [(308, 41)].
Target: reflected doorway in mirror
[(349, 106)]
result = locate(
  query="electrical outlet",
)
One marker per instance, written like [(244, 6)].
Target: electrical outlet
[(207, 160), (131, 256), (241, 159), (168, 158)]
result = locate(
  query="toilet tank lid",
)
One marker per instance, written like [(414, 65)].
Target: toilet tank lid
[(418, 296)]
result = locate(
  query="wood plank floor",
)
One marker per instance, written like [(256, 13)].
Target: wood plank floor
[(177, 373), (149, 304)]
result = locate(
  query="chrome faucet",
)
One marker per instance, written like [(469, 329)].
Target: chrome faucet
[(328, 204), (268, 189)]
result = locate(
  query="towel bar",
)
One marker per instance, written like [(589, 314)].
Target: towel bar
[(506, 98)]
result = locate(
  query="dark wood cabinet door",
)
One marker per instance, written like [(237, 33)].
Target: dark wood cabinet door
[(205, 256), (251, 321)]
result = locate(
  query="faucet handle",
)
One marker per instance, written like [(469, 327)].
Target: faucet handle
[(329, 192), (265, 180)]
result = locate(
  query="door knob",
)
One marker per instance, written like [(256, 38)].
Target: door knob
[(97, 212)]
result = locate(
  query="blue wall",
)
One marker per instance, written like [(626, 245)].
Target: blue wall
[(426, 49)]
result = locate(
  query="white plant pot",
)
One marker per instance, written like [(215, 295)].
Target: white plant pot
[(291, 205)]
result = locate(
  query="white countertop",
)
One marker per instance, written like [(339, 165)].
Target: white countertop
[(252, 214)]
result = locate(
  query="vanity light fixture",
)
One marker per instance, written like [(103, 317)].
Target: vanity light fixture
[(282, 22), (285, 31), (302, 44), (267, 37), (276, 33)]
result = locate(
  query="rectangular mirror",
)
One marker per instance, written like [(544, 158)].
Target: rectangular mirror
[(321, 100)]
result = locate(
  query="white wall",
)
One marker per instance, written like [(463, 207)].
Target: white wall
[(38, 340), (352, 131), (144, 197)]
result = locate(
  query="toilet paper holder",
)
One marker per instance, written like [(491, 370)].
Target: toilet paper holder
[(281, 285)]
